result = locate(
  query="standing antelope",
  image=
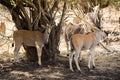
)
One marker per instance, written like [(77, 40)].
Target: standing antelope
[(70, 30), (31, 38), (84, 42), (3, 28)]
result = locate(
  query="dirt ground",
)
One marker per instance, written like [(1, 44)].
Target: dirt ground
[(107, 68)]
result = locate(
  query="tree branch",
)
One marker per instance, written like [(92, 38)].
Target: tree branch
[(26, 16), (32, 5), (105, 47), (16, 20), (63, 13), (54, 6), (38, 16)]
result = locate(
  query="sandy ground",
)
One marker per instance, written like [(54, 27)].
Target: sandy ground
[(107, 67)]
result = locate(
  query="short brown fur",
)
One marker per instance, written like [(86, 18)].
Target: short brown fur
[(31, 38), (84, 42)]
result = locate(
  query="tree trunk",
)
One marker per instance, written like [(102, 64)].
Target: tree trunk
[(31, 53)]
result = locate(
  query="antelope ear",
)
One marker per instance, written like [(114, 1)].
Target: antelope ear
[(106, 32), (96, 7)]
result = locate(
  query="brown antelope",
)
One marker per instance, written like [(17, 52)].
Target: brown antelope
[(31, 38), (84, 42), (3, 28), (72, 29)]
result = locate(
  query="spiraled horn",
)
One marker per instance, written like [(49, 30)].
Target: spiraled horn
[(95, 28)]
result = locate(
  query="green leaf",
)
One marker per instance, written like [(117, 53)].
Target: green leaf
[(13, 3)]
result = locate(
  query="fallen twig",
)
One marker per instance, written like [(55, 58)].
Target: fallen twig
[(105, 47)]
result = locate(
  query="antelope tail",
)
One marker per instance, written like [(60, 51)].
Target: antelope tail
[(12, 44), (71, 44)]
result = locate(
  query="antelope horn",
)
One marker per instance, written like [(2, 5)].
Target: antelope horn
[(95, 28)]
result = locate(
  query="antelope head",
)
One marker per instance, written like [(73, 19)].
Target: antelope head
[(48, 29)]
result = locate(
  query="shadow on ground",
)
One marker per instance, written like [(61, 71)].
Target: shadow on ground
[(107, 68)]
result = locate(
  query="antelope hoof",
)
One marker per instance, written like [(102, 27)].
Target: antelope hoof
[(68, 54), (80, 60), (93, 67), (79, 71), (72, 70), (40, 66), (88, 69)]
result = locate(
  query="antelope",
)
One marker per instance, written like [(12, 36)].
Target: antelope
[(31, 38), (72, 29), (3, 28), (85, 25), (84, 42)]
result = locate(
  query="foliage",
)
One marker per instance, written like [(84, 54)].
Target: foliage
[(12, 3), (88, 4), (116, 2)]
